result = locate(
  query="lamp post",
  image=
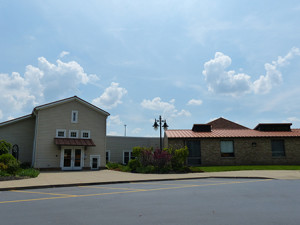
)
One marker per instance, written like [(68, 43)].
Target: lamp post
[(159, 123)]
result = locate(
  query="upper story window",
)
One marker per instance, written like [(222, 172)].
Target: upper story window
[(73, 133), (85, 134), (74, 116), (60, 133)]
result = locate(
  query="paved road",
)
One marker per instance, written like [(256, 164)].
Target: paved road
[(201, 201)]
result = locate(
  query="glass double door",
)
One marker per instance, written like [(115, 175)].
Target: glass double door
[(72, 158)]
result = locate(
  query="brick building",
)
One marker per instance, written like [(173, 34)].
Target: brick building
[(222, 142)]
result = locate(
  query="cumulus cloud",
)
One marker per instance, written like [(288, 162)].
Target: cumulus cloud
[(63, 54), (167, 108), (114, 120), (273, 76), (136, 130), (111, 97), (293, 119), (221, 80), (195, 102), (225, 82), (41, 83)]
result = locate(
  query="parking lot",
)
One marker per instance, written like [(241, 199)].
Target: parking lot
[(195, 201)]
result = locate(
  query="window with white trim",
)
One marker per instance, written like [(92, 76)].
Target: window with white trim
[(127, 155), (85, 134), (74, 116), (107, 156), (60, 133), (73, 133)]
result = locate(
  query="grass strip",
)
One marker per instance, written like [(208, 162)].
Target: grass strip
[(237, 168)]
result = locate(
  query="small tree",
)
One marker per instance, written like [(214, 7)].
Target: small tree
[(5, 147)]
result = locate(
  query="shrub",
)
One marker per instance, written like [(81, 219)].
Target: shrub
[(161, 159), (25, 165), (134, 164), (3, 166), (146, 157), (6, 158), (5, 147), (178, 157), (146, 169), (13, 167), (29, 172), (112, 165)]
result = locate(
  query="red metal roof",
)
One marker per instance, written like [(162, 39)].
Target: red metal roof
[(74, 142), (222, 133)]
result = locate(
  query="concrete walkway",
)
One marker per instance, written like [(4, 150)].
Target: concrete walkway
[(74, 178)]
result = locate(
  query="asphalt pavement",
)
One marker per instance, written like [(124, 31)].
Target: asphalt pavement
[(75, 178)]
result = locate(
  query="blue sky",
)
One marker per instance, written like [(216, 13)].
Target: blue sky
[(189, 61)]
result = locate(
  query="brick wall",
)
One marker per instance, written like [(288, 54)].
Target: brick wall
[(244, 152)]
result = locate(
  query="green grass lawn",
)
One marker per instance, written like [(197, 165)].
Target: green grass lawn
[(236, 168)]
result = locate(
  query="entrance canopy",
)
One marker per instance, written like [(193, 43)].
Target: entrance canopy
[(74, 142)]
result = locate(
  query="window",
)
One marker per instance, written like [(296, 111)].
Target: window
[(194, 157), (74, 116), (85, 134), (227, 149), (73, 134), (60, 133), (277, 148), (127, 155), (107, 155)]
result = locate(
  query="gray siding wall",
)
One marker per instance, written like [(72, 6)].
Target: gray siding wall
[(20, 133), (59, 117), (117, 144)]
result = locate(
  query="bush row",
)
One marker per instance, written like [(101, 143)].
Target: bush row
[(148, 160)]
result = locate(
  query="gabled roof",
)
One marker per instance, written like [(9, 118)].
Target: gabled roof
[(52, 104), (74, 98), (222, 123), (16, 120)]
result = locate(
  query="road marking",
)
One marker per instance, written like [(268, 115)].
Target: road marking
[(43, 193), (35, 199), (123, 192), (132, 189)]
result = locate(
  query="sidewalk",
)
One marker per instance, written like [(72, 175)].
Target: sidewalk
[(74, 178)]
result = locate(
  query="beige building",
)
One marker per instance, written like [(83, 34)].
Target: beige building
[(119, 149), (222, 142), (69, 134)]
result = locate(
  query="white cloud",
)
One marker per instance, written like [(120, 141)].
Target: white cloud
[(293, 119), (136, 130), (195, 102), (166, 108), (63, 54), (111, 97), (114, 120), (273, 76), (45, 82), (223, 81)]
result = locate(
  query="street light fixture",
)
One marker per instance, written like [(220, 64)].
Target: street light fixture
[(158, 123)]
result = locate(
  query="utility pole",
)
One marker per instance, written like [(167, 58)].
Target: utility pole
[(125, 129)]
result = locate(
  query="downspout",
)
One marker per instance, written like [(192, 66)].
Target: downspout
[(34, 139)]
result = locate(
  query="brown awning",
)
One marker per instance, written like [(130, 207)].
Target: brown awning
[(74, 142)]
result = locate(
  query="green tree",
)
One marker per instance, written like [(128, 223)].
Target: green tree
[(5, 147)]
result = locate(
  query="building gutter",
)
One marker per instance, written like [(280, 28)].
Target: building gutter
[(34, 139)]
